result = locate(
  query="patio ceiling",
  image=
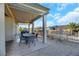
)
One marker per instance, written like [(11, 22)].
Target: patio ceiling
[(25, 13)]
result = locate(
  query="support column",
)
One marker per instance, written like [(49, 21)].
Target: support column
[(78, 33), (29, 27), (2, 30), (33, 27), (44, 30)]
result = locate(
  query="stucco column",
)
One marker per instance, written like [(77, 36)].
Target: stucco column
[(44, 29), (2, 30), (78, 33), (32, 27), (29, 27)]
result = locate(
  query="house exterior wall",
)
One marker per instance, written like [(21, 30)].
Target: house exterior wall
[(10, 28), (2, 30)]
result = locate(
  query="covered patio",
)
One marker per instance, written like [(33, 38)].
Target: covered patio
[(23, 13), (27, 13)]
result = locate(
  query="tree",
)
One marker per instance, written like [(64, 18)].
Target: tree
[(72, 26), (78, 26)]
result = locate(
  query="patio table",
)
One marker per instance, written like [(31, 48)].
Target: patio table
[(30, 38), (28, 35)]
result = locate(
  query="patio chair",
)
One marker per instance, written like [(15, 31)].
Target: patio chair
[(36, 36), (22, 38), (31, 40), (28, 40)]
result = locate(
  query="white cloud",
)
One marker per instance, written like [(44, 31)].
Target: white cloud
[(55, 17), (62, 6), (38, 23), (70, 17), (50, 15), (49, 23), (77, 9)]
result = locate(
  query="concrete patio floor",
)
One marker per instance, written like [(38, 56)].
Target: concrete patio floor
[(13, 48), (51, 48)]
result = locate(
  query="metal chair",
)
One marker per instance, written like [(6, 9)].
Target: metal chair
[(22, 38), (29, 40)]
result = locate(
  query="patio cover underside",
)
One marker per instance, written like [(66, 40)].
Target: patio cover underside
[(25, 13)]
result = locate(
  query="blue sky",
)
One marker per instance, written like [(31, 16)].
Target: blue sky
[(60, 14)]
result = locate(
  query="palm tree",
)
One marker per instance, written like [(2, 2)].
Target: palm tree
[(78, 26), (72, 26)]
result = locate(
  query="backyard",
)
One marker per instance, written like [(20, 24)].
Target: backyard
[(43, 29)]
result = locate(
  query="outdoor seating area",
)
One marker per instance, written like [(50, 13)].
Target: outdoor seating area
[(29, 38)]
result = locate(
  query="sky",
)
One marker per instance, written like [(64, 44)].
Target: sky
[(60, 14)]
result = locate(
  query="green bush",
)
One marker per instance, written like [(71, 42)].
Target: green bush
[(21, 29)]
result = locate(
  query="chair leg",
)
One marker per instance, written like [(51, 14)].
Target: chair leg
[(20, 42), (28, 45), (37, 39), (34, 42)]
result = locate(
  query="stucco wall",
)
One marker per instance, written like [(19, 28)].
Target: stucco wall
[(9, 28), (2, 30)]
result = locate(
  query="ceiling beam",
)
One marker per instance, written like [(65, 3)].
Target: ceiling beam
[(9, 9), (34, 8), (35, 18)]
